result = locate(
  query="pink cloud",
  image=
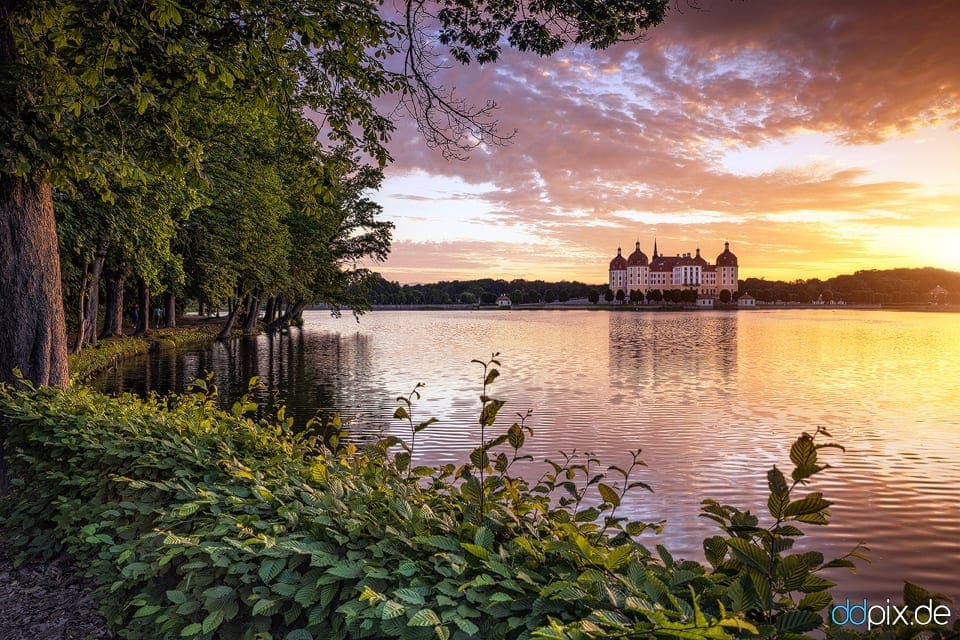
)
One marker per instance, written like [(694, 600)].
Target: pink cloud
[(643, 127)]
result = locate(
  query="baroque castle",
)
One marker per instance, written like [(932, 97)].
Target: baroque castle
[(638, 273)]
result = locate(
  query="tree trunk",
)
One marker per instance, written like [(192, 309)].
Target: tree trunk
[(4, 465), (81, 310), (297, 313), (228, 325), (170, 314), (34, 335), (89, 326), (113, 313), (253, 309), (143, 302), (200, 308), (270, 310), (293, 311)]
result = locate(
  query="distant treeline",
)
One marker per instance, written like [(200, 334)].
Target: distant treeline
[(484, 291), (890, 286)]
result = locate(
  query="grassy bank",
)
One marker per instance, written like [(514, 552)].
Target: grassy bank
[(107, 353), (194, 522)]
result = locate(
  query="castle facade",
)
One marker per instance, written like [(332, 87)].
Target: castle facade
[(683, 271)]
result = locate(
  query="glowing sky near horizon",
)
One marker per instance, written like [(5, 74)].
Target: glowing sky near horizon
[(817, 137)]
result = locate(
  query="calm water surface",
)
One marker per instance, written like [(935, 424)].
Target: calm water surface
[(713, 399)]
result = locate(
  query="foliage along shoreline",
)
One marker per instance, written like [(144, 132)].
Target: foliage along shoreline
[(105, 354), (864, 287), (194, 522)]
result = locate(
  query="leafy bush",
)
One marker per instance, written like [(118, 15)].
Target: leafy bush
[(94, 359), (200, 523)]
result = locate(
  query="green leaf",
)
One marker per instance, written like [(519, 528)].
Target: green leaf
[(216, 598), (299, 634), (424, 618), (270, 568), (346, 570), (476, 550), (715, 550), (466, 626), (915, 596), (265, 606), (410, 596), (815, 601), (423, 425), (749, 553), (815, 583), (392, 609), (619, 556), (810, 504), (776, 504), (212, 621), (587, 515), (488, 414), (803, 453), (792, 571), (176, 597), (609, 494), (776, 482), (797, 621), (146, 610), (484, 538), (194, 629)]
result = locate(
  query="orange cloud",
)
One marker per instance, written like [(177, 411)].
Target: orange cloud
[(631, 141)]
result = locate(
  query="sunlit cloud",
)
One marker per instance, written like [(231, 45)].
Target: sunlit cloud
[(804, 133)]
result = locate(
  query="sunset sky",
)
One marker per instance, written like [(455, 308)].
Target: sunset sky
[(817, 137)]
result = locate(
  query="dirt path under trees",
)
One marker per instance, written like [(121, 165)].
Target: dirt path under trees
[(46, 600)]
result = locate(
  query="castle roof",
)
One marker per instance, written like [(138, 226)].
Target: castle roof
[(637, 258), (726, 259), (619, 263)]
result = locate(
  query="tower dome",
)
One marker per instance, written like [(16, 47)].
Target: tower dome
[(726, 259), (637, 258), (618, 263)]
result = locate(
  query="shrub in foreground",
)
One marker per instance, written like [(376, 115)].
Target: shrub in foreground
[(200, 523)]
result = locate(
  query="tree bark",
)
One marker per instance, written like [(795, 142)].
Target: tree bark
[(228, 325), (89, 326), (253, 309), (293, 311), (34, 335), (113, 313), (170, 313), (270, 310), (81, 310), (143, 301)]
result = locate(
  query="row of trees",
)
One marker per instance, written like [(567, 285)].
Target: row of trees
[(173, 134), (276, 223), (482, 291), (665, 295), (892, 286), (888, 286)]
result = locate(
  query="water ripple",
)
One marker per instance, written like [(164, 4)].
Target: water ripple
[(713, 399)]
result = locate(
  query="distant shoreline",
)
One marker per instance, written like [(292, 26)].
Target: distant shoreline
[(941, 308)]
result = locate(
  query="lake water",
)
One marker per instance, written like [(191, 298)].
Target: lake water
[(713, 399)]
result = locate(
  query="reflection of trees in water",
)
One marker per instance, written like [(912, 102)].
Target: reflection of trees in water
[(686, 349), (308, 372)]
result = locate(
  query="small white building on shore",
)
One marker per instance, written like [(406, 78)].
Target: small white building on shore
[(746, 300)]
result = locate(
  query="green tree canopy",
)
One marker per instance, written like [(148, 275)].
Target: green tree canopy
[(99, 93)]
